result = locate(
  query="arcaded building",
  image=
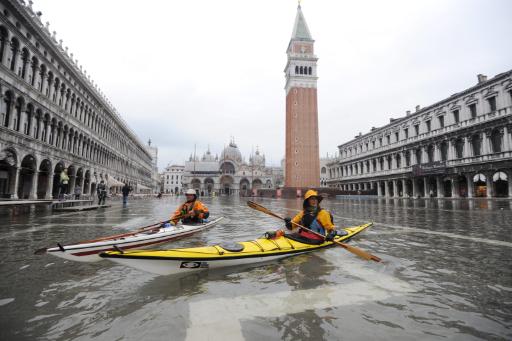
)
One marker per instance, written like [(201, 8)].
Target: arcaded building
[(458, 147), (53, 116)]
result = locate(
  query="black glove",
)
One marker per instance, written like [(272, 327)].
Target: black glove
[(288, 223), (270, 234), (330, 236)]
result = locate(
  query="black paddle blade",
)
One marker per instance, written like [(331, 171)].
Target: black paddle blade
[(40, 251)]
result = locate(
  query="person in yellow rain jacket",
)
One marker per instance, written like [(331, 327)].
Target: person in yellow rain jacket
[(192, 211), (314, 218)]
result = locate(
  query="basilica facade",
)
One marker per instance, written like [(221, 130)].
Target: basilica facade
[(53, 116), (230, 174)]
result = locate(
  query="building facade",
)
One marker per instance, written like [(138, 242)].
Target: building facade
[(458, 147), (230, 174), (302, 146), (52, 116), (155, 176), (171, 179)]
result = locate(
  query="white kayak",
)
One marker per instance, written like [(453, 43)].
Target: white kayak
[(89, 251)]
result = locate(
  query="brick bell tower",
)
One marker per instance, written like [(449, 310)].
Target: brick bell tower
[(302, 168)]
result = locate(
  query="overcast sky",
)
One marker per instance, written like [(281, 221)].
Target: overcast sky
[(198, 72)]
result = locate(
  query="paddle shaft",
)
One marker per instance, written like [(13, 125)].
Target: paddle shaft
[(353, 249)]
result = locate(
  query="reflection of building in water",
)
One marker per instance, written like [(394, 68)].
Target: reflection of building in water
[(229, 173), (53, 116), (458, 147), (171, 179)]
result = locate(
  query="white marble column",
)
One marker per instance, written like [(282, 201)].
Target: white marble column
[(455, 187), (471, 185), (49, 188), (507, 138), (509, 180), (33, 188), (395, 188), (489, 185), (14, 184), (467, 147), (440, 186), (414, 187), (379, 189)]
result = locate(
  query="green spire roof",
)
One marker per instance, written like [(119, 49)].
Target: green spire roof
[(300, 28)]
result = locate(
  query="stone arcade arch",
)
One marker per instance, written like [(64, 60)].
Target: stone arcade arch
[(27, 174), (8, 168), (500, 182), (56, 178), (87, 182), (208, 186), (480, 185), (226, 185), (43, 179), (245, 187)]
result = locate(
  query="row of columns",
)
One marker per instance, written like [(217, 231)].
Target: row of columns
[(486, 148), (384, 188)]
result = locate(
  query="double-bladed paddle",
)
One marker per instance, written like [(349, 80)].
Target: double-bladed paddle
[(350, 248)]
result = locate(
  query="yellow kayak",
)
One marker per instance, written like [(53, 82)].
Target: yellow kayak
[(177, 261)]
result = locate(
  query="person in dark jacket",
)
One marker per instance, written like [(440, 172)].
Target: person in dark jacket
[(126, 191), (102, 193)]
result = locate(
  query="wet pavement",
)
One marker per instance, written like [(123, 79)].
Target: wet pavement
[(447, 275)]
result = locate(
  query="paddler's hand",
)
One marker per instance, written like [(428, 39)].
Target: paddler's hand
[(330, 236), (288, 223)]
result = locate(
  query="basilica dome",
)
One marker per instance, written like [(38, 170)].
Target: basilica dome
[(231, 152), (257, 159)]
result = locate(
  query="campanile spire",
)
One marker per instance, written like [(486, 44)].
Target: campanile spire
[(302, 167)]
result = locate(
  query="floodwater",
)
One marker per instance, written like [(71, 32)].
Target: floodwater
[(447, 276)]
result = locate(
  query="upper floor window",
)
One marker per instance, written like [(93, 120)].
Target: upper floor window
[(475, 142), (496, 141), (459, 148), (427, 123), (472, 110), (418, 156), (380, 142), (441, 121), (373, 144), (397, 136), (444, 151), (388, 139), (417, 129), (430, 153), (406, 133), (366, 145), (456, 116), (492, 103)]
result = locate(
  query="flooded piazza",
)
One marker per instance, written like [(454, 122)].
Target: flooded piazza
[(447, 274)]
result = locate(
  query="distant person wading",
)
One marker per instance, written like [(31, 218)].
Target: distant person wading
[(126, 191), (63, 183), (102, 193)]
